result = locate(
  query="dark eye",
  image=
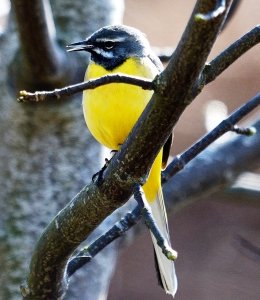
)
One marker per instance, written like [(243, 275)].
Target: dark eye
[(109, 45)]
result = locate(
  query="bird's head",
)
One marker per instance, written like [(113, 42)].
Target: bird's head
[(110, 46)]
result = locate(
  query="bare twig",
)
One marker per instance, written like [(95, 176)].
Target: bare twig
[(226, 125), (228, 56), (144, 83), (244, 131), (86, 254)]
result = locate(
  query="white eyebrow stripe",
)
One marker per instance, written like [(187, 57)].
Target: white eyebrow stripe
[(110, 40)]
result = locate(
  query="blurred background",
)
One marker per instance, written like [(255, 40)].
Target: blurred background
[(209, 235)]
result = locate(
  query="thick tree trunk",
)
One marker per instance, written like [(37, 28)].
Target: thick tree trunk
[(46, 153)]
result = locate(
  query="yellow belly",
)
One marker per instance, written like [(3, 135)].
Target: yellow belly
[(112, 110)]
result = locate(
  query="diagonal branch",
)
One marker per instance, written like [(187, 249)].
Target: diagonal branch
[(228, 56), (215, 169), (86, 254), (226, 125)]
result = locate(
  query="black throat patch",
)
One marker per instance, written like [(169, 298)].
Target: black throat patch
[(108, 63)]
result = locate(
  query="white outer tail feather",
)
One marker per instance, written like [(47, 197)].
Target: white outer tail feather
[(166, 266)]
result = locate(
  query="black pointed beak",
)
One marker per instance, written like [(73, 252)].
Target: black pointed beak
[(80, 46)]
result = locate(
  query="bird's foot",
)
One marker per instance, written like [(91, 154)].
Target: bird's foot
[(97, 178)]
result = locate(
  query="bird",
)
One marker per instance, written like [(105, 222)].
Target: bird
[(111, 111)]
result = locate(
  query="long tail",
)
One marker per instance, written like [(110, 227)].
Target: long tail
[(165, 267), (153, 192)]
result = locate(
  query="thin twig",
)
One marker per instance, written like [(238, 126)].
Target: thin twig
[(243, 131), (86, 254), (144, 83), (227, 57), (180, 161)]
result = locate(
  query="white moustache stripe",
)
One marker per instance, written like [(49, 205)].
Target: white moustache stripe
[(104, 53)]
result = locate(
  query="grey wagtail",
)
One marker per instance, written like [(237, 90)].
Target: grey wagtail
[(112, 110)]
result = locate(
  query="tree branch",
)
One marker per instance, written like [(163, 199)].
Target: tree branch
[(42, 62), (214, 169), (226, 125), (86, 254), (144, 83), (130, 165)]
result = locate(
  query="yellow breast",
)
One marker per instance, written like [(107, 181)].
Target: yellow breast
[(111, 111)]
